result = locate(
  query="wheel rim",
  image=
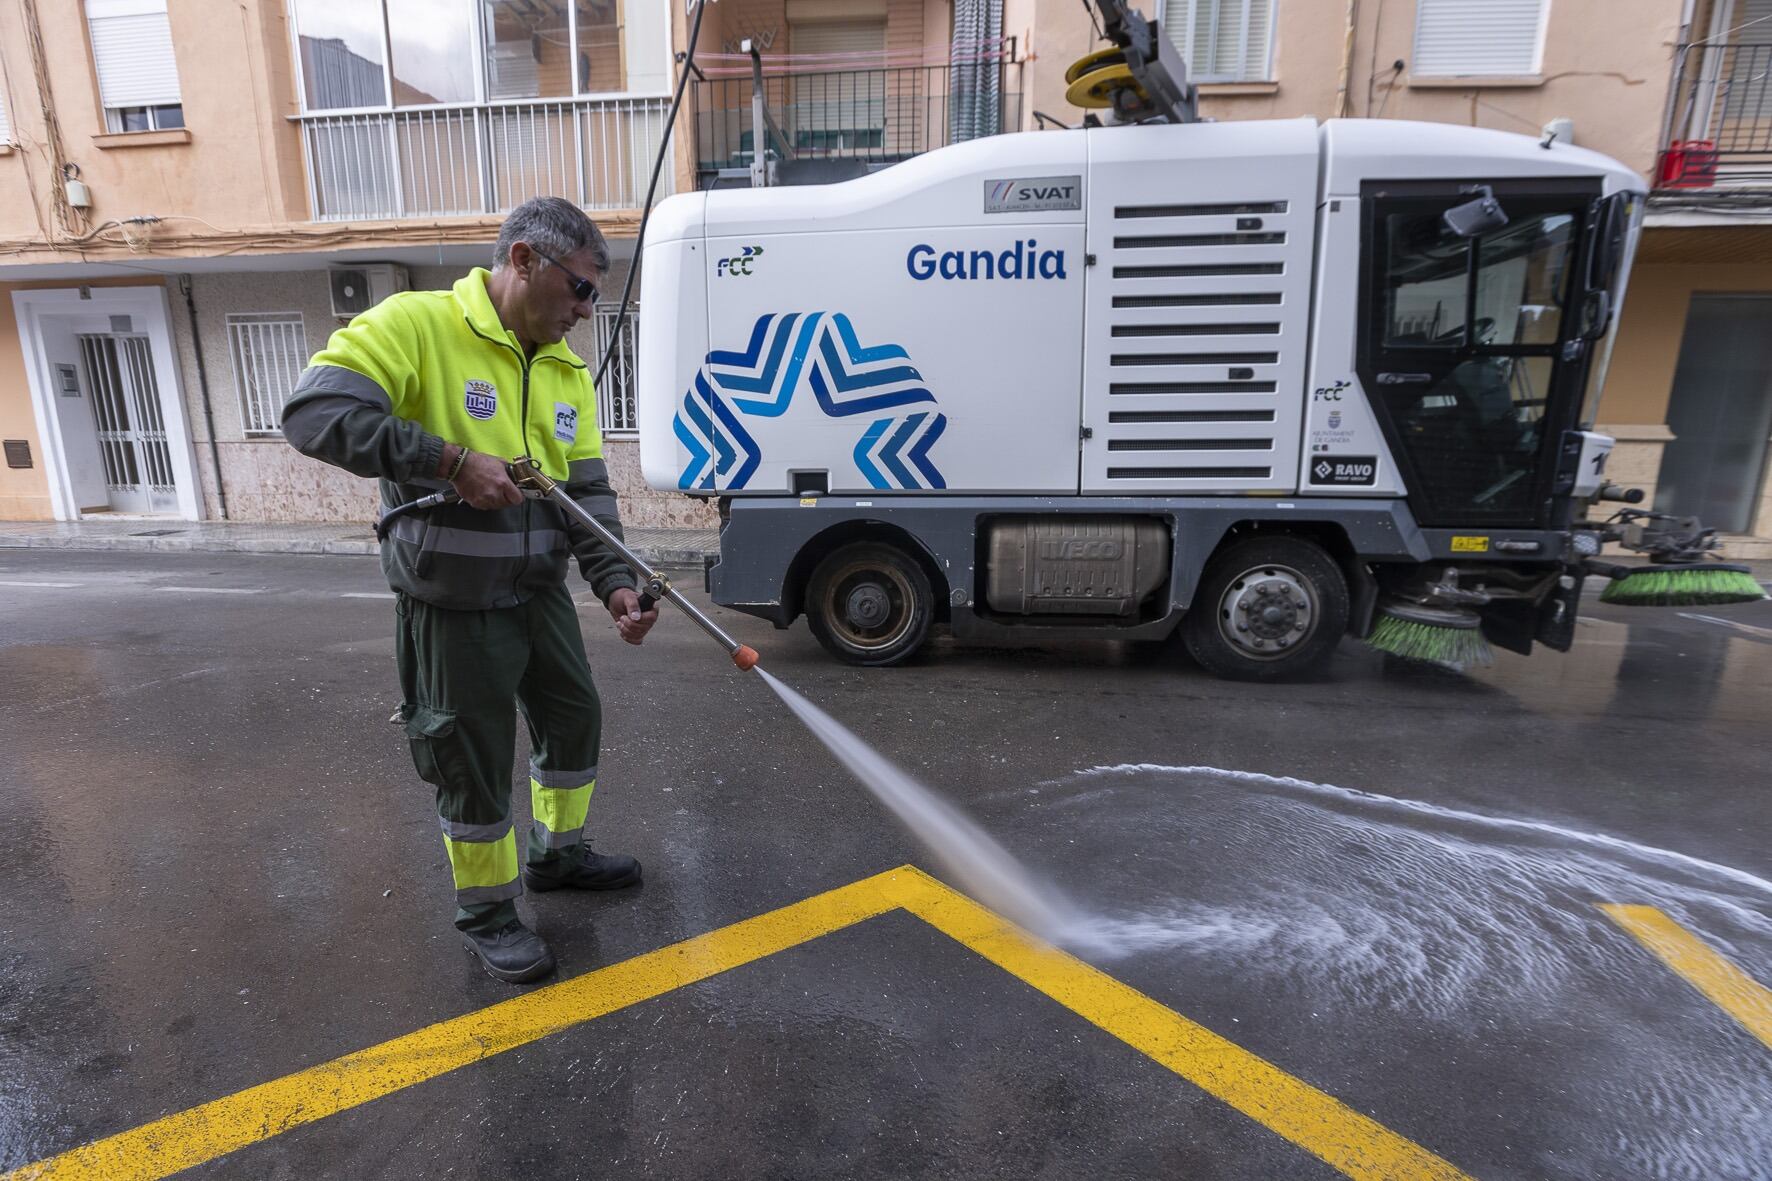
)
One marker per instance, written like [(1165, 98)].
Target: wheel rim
[(869, 607), (1268, 612)]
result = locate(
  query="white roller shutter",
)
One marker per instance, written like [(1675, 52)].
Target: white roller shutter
[(1480, 38), (853, 37), (1222, 40), (132, 50), (5, 124)]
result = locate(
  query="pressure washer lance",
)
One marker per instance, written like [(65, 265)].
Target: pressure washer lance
[(527, 474)]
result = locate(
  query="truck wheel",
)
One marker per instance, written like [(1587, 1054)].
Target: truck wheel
[(1268, 608), (869, 604)]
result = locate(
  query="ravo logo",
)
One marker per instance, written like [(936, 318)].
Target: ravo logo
[(1022, 260)]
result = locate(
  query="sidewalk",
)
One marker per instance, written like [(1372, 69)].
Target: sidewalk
[(660, 547)]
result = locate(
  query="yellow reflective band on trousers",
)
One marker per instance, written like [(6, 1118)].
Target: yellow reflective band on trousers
[(560, 810), (479, 864)]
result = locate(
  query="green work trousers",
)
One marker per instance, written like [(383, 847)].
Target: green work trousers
[(460, 673)]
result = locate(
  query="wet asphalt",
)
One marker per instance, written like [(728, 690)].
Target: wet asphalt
[(220, 868)]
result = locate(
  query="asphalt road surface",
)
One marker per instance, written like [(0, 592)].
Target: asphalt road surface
[(1511, 923)]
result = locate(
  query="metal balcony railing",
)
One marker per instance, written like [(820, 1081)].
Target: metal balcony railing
[(1721, 131), (877, 116), (465, 159)]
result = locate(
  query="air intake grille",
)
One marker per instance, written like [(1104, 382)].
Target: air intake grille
[(1187, 387)]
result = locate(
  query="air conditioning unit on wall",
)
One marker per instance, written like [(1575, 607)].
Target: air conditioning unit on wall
[(359, 288)]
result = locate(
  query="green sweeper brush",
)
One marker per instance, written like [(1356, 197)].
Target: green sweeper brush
[(1442, 635), (1687, 584)]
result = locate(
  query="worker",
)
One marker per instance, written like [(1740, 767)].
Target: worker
[(436, 389)]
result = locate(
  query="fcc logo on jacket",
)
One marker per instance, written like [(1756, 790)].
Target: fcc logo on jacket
[(481, 399)]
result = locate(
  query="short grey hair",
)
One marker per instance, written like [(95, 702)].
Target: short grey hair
[(554, 226)]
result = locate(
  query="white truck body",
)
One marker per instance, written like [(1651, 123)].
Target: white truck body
[(1055, 312)]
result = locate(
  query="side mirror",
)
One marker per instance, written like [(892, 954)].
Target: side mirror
[(1479, 215)]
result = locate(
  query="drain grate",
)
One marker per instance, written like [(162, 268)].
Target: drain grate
[(157, 533)]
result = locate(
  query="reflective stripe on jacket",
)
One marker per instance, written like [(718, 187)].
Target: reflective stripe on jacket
[(422, 367)]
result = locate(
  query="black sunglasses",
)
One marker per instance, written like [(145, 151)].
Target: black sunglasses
[(583, 289)]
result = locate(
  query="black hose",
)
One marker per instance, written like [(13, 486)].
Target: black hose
[(627, 287), (386, 522)]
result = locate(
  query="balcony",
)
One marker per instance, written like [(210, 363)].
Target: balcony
[(874, 117), (1720, 136), (452, 160)]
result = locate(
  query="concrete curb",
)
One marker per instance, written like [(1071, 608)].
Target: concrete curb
[(673, 553)]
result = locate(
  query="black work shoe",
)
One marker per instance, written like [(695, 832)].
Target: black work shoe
[(591, 871), (513, 953)]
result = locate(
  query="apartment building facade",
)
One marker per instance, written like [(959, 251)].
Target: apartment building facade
[(314, 139), (194, 195)]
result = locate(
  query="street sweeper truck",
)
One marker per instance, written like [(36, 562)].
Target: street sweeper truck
[(1269, 383)]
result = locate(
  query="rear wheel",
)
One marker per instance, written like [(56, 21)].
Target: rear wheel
[(1268, 608), (870, 604)]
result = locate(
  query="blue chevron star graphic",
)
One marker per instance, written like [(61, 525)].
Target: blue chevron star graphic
[(709, 431), (892, 453), (846, 377)]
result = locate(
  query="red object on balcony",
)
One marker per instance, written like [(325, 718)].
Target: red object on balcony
[(1688, 164)]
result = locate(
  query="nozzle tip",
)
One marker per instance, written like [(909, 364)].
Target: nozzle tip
[(745, 657)]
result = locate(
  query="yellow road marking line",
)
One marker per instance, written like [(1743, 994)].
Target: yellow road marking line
[(1727, 987), (214, 1129), (1349, 1141), (1352, 1143)]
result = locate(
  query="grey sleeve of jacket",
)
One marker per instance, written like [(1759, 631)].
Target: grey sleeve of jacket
[(343, 418), (587, 482)]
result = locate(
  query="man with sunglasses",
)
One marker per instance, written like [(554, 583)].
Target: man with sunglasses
[(439, 389)]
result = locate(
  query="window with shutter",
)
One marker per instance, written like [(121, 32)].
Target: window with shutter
[(1222, 40), (5, 125), (1498, 38), (839, 105), (137, 75)]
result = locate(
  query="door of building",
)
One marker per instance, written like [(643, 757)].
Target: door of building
[(1720, 413), (119, 374)]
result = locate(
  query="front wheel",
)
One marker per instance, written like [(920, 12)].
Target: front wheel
[(870, 604), (1268, 608)]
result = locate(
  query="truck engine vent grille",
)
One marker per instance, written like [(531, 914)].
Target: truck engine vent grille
[(1190, 444), (1252, 329), (1187, 416), (1193, 358), (1200, 270), (1190, 473), (1129, 211), (1195, 338), (1160, 241), (1190, 387), (1229, 299)]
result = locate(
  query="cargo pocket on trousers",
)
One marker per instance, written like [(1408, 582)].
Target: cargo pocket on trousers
[(436, 747)]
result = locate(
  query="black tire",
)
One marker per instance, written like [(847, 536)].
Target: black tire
[(870, 604), (1302, 599)]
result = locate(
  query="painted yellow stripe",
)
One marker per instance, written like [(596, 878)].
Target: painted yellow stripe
[(1341, 1136), (1728, 987), (203, 1133), (1344, 1138)]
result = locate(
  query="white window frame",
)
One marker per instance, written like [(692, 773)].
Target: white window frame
[(1181, 13), (1536, 66), (100, 11), (114, 117), (285, 353), (481, 81)]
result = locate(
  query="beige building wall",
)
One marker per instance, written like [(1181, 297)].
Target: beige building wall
[(236, 163), (1607, 65)]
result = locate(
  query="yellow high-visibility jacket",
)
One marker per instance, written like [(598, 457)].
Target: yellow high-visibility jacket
[(422, 367)]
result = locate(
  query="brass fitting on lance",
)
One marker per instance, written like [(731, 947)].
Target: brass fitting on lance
[(525, 472)]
